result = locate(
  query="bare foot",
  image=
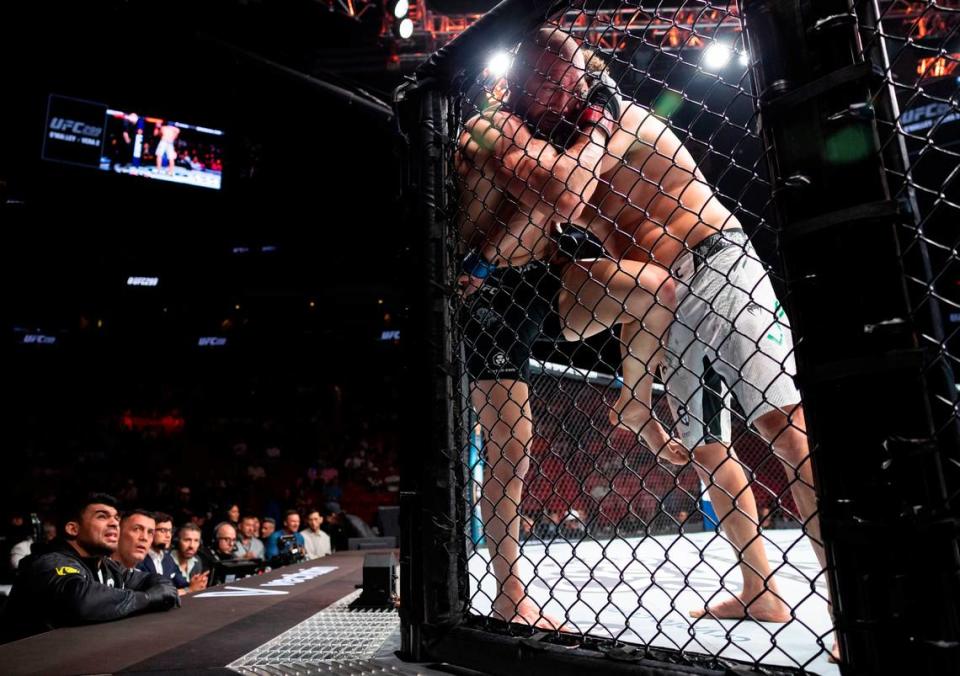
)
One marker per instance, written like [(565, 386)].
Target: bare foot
[(630, 413), (834, 655), (764, 608), (524, 612)]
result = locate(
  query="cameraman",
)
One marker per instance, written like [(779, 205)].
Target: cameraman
[(289, 538), (73, 580)]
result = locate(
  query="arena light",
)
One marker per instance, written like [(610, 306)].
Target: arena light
[(406, 28), (499, 64), (401, 9), (744, 59), (717, 56)]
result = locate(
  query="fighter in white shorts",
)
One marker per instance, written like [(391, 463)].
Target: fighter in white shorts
[(730, 335)]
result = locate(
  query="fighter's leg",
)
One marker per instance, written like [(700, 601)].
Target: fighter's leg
[(503, 408), (723, 475), (786, 431), (600, 294)]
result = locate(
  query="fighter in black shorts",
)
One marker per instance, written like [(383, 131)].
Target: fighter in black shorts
[(517, 306), (526, 165)]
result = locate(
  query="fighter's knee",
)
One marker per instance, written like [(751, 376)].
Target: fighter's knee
[(792, 448), (510, 446), (664, 287), (512, 463), (710, 456)]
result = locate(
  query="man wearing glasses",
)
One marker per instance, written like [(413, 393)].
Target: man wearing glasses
[(226, 542), (160, 561)]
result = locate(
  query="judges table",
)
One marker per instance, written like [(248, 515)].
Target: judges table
[(210, 630)]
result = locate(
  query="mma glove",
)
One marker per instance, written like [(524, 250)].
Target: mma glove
[(602, 110)]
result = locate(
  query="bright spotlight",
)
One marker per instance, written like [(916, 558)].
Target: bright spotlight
[(406, 28), (744, 59), (401, 9), (716, 56), (499, 64)]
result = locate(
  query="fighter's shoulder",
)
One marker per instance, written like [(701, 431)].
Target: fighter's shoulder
[(650, 130), (638, 119)]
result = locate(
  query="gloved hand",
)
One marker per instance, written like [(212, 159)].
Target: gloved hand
[(162, 596), (602, 110)]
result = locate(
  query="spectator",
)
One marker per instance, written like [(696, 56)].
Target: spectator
[(24, 542), (316, 542), (136, 538), (226, 541), (526, 528), (185, 556), (233, 515), (267, 528), (74, 581), (49, 531), (15, 526), (339, 531), (291, 523), (249, 546), (160, 561)]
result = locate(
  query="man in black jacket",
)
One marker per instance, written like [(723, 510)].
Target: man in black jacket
[(75, 582)]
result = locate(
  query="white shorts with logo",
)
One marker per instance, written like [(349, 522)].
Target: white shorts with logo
[(730, 336), (167, 149)]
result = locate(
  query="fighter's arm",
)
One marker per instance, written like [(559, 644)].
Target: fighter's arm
[(505, 238), (545, 181)]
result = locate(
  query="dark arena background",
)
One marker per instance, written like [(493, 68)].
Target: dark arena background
[(452, 336)]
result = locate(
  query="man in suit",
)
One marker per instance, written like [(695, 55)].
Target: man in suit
[(160, 562)]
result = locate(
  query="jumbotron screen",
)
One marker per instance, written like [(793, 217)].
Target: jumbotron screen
[(94, 135)]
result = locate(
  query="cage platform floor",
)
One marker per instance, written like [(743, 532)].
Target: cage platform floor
[(639, 590)]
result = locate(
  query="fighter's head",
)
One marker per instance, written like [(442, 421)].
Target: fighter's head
[(548, 81)]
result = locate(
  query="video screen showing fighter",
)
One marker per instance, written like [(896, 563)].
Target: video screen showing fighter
[(92, 134)]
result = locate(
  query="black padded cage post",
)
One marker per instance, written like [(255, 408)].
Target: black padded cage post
[(432, 559), (874, 388)]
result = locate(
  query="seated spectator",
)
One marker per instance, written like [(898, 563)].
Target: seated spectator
[(233, 515), (291, 523), (526, 528), (75, 582), (339, 530), (249, 546), (21, 550), (226, 541), (185, 556), (160, 561), (136, 538), (267, 528), (49, 531), (316, 542)]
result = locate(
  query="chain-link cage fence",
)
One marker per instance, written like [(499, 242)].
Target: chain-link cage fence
[(628, 430), (915, 47)]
